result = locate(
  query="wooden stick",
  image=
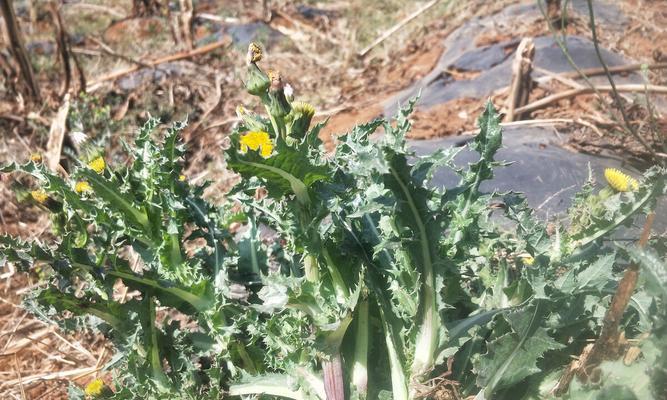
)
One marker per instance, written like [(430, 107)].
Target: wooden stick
[(396, 27), (588, 90), (56, 135), (607, 344), (18, 48), (152, 63), (522, 67)]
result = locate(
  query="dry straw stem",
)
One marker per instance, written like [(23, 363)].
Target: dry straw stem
[(18, 48), (630, 88), (96, 84), (397, 27)]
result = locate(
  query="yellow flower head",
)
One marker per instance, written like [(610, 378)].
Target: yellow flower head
[(40, 196), (619, 181), (528, 259), (95, 388), (82, 186), (254, 53), (97, 165), (36, 157), (181, 178), (257, 141)]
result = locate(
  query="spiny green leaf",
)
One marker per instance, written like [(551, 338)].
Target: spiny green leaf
[(512, 357)]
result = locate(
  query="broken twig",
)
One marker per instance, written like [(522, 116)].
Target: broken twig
[(522, 66), (56, 135), (541, 103), (152, 63)]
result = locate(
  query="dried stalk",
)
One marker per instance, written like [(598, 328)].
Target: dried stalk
[(18, 49), (521, 78)]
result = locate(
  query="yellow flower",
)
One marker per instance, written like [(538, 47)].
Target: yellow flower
[(95, 388), (528, 259), (36, 157), (619, 181), (97, 165), (82, 186), (181, 178), (40, 196), (257, 141)]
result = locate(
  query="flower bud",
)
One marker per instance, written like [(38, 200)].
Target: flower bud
[(257, 82), (278, 104), (299, 119), (251, 120)]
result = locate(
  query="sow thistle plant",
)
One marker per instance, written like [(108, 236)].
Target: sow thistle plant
[(353, 276)]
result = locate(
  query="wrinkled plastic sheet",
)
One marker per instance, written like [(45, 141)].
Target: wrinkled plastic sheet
[(547, 174)]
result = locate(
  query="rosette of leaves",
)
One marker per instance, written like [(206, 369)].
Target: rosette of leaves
[(141, 226)]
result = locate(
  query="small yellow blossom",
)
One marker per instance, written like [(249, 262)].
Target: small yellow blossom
[(257, 141), (95, 388), (82, 186), (36, 157), (97, 165), (619, 181), (40, 196), (528, 259), (181, 178)]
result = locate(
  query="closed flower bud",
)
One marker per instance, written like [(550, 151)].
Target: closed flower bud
[(257, 82), (251, 120), (278, 104)]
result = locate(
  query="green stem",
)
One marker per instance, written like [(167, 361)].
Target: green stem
[(154, 355), (312, 271), (617, 222), (399, 381), (427, 336), (248, 364), (342, 291), (360, 366), (272, 386), (197, 302), (175, 256), (617, 97)]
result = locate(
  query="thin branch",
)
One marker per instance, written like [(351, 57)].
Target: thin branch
[(587, 90), (152, 63), (613, 70), (617, 97)]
